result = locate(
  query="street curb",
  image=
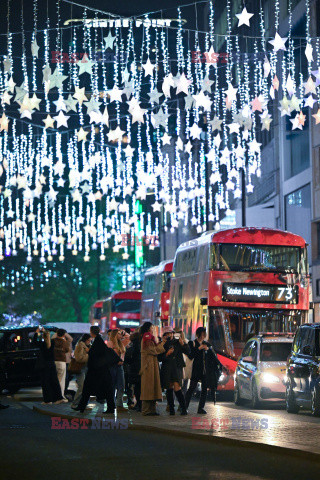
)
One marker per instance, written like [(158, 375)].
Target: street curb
[(231, 442)]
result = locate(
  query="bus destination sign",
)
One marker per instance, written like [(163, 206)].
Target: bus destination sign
[(247, 292)]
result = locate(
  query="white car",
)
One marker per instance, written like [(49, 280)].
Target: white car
[(261, 370)]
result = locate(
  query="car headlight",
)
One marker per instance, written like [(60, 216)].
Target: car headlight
[(269, 378)]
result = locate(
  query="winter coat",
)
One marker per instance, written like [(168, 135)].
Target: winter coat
[(150, 376), (60, 347), (205, 364), (172, 365), (133, 359), (100, 356), (80, 353)]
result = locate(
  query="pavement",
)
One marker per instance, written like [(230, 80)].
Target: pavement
[(272, 429), (31, 450)]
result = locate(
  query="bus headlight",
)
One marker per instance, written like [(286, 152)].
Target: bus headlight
[(269, 378)]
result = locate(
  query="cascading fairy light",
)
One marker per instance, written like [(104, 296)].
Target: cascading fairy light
[(291, 62), (23, 57), (308, 33)]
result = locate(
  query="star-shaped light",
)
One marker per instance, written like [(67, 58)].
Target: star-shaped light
[(154, 96), (215, 123), (203, 100), (195, 131), (116, 134), (295, 123), (183, 84), (156, 207), (34, 48), (82, 135), (188, 147), (7, 64), (266, 120), (57, 79), (168, 82), (60, 104), (166, 139), (309, 101), (309, 87), (233, 127), (49, 122), (266, 67), (309, 52), (85, 65), (79, 95), (4, 123), (231, 92), (148, 68), (275, 83), (290, 86), (254, 146), (35, 102), (62, 120), (71, 104), (10, 85), (256, 104), (109, 41), (244, 17), (206, 84), (6, 97), (278, 43), (115, 94)]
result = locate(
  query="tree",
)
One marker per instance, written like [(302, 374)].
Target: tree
[(61, 291)]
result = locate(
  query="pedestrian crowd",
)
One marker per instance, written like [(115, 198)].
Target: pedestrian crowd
[(139, 364)]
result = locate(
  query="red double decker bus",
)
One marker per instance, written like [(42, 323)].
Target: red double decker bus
[(238, 283), (156, 294), (120, 310)]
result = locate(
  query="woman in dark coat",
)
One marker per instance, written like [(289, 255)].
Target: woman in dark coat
[(206, 368), (133, 360), (171, 372)]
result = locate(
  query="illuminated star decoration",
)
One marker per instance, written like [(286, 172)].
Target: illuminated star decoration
[(244, 17), (278, 43)]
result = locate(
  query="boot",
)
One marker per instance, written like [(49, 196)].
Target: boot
[(182, 402), (170, 400)]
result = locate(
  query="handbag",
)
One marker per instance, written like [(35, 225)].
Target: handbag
[(75, 367), (187, 371)]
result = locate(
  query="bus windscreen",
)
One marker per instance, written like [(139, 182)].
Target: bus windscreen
[(261, 258), (126, 305)]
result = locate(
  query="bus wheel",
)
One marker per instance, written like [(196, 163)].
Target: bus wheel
[(237, 398), (315, 401), (255, 402), (291, 404)]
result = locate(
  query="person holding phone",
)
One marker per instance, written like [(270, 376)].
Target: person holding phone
[(149, 372), (172, 366), (206, 368)]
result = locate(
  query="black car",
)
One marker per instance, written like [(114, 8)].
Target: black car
[(19, 353), (303, 371)]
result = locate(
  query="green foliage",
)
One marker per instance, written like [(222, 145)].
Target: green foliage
[(59, 291)]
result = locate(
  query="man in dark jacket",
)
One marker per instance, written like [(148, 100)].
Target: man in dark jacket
[(133, 360), (98, 379), (206, 368)]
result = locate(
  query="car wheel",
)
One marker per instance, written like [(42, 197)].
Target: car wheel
[(237, 398), (255, 402), (291, 404), (315, 401)]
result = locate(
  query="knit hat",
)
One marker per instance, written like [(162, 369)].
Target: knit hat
[(167, 330)]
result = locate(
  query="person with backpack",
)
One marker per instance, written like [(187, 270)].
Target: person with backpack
[(81, 355), (206, 368)]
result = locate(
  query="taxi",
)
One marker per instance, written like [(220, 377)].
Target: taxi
[(261, 369)]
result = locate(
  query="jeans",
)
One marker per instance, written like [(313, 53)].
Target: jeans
[(80, 381), (61, 373), (117, 375)]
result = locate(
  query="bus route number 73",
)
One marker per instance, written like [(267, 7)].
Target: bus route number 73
[(285, 293)]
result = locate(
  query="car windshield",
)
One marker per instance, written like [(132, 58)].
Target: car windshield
[(266, 258), (275, 352), (127, 305)]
